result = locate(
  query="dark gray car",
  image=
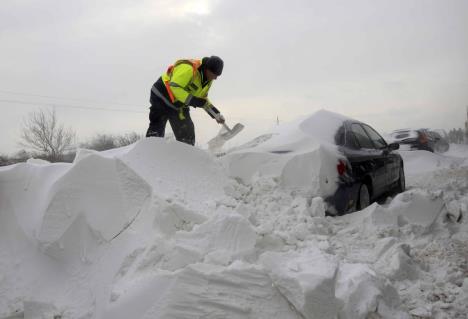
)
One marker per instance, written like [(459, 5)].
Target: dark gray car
[(373, 168)]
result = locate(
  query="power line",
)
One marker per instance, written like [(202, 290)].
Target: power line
[(63, 98), (89, 108)]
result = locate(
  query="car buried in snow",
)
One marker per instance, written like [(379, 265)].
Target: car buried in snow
[(372, 167), (344, 161)]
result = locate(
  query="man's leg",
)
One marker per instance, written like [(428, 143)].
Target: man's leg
[(158, 118), (184, 130)]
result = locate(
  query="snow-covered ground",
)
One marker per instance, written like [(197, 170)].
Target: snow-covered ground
[(159, 230)]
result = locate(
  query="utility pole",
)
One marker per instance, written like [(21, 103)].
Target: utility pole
[(466, 127)]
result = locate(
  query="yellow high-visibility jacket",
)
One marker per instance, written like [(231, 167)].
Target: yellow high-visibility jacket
[(184, 80)]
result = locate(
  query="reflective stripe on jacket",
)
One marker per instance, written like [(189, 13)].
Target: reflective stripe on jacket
[(183, 80)]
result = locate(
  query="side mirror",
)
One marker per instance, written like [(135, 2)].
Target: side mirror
[(393, 146)]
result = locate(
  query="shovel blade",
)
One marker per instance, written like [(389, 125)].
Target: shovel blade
[(233, 132), (218, 141)]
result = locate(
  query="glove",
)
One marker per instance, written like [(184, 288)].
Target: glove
[(217, 115), (197, 101)]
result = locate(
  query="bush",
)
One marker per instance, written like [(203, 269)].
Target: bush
[(102, 142)]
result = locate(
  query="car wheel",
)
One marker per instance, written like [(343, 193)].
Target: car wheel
[(401, 183), (364, 197)]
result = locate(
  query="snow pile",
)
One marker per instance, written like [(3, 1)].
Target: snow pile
[(302, 156), (159, 230)]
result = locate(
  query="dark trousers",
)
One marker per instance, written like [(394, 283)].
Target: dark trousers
[(160, 113)]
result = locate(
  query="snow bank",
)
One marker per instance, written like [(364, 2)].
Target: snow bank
[(78, 213), (159, 230), (415, 243)]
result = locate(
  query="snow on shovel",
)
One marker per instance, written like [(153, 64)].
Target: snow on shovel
[(225, 134)]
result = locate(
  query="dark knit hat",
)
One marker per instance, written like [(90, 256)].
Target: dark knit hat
[(214, 64)]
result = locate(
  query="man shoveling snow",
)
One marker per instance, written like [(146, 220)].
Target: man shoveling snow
[(185, 83)]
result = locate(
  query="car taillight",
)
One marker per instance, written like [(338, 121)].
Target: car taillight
[(422, 138), (341, 167)]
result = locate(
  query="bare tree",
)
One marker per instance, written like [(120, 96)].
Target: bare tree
[(41, 132)]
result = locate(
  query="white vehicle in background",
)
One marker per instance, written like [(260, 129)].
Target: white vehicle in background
[(421, 139)]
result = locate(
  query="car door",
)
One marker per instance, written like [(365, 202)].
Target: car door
[(392, 162), (370, 159)]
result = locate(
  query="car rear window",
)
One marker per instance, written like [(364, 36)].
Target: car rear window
[(361, 136), (378, 140), (402, 135), (340, 136)]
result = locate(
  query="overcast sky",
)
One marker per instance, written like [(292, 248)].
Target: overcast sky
[(390, 63)]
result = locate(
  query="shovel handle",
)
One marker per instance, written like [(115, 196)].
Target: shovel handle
[(226, 127), (210, 111)]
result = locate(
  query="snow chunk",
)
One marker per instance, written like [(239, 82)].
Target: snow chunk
[(25, 192), (105, 192), (362, 293), (418, 207), (171, 217), (314, 172), (306, 279), (397, 263)]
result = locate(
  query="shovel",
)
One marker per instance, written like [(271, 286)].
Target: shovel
[(225, 134)]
